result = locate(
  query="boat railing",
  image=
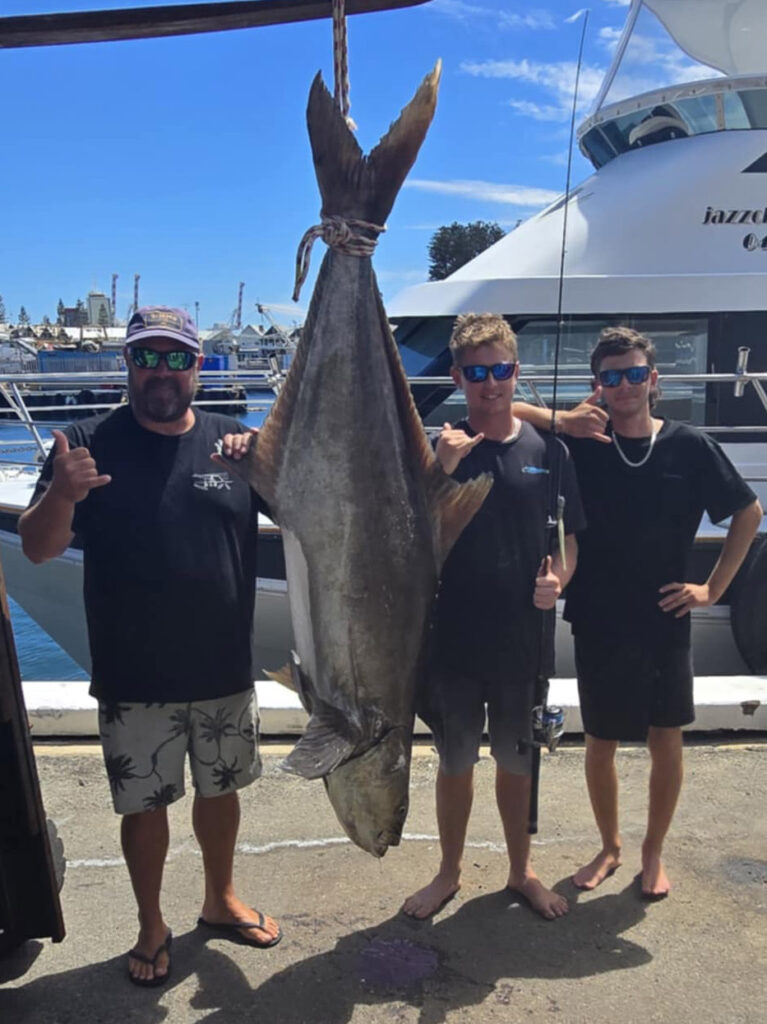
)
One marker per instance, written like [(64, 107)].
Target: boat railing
[(254, 391)]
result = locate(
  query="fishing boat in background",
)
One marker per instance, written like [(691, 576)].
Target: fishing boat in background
[(668, 236)]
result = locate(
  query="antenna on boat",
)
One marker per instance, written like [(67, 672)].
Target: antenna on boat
[(548, 722), (565, 210)]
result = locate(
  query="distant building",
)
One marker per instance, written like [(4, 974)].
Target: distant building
[(99, 310), (74, 316)]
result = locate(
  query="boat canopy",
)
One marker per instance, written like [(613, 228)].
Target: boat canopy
[(725, 34)]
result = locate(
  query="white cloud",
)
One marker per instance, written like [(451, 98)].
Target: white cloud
[(609, 37), (458, 9), (557, 78), (487, 191), (462, 11), (538, 111), (648, 64), (661, 62), (534, 20)]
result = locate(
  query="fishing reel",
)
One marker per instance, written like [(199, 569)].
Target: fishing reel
[(548, 724)]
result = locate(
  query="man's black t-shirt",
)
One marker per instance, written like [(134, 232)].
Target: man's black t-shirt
[(641, 527), (169, 551), (485, 620)]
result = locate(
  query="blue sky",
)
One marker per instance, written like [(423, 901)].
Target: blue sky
[(187, 160)]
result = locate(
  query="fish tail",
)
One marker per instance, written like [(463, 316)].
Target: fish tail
[(355, 186)]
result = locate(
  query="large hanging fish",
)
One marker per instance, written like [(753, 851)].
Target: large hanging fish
[(367, 514)]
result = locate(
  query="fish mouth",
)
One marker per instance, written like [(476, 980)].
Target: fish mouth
[(384, 840)]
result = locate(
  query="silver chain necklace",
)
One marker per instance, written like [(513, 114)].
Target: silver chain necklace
[(645, 457)]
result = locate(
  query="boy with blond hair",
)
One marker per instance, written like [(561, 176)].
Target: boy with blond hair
[(497, 583)]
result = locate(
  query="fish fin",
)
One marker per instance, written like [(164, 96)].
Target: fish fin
[(259, 467), (283, 676), (454, 505), (351, 184), (321, 749)]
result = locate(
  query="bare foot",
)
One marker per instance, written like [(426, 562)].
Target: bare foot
[(432, 897), (655, 883), (546, 902), (231, 910), (591, 875), (148, 942)]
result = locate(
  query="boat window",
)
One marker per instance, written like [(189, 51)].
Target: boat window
[(681, 345), (422, 344), (664, 120)]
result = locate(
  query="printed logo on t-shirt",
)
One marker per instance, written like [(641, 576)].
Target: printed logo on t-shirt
[(534, 469), (212, 481)]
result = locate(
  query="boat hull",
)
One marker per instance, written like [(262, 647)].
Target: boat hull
[(51, 594)]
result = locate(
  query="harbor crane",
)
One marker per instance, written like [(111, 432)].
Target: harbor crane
[(236, 318)]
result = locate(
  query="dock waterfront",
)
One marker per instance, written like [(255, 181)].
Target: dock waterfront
[(722, 703), (349, 957)]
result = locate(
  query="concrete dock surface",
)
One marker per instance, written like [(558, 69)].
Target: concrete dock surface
[(349, 955)]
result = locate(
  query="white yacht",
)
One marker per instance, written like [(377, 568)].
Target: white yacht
[(669, 236)]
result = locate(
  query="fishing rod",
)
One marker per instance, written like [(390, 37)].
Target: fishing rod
[(548, 722)]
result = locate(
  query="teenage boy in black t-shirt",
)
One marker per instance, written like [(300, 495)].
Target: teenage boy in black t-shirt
[(169, 551), (644, 489), (496, 584)]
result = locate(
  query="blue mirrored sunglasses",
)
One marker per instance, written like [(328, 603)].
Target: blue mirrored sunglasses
[(476, 374), (633, 374), (149, 359)]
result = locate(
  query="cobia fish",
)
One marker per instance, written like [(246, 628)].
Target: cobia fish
[(367, 515)]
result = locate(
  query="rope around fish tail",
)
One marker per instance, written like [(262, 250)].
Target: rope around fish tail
[(339, 234), (341, 62)]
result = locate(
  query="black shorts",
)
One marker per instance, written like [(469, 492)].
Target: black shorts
[(625, 687), (454, 704)]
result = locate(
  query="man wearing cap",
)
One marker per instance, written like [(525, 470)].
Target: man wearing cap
[(169, 554)]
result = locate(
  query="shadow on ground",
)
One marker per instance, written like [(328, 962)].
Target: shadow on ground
[(465, 958)]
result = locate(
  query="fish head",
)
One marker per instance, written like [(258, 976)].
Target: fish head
[(369, 793)]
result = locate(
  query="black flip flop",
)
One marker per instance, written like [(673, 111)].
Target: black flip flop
[(231, 930), (158, 979)]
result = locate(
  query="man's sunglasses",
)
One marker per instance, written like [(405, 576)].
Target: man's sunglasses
[(149, 359), (633, 374), (476, 374)]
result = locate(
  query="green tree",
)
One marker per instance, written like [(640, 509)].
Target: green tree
[(60, 313), (455, 244), (81, 314), (47, 320), (23, 317)]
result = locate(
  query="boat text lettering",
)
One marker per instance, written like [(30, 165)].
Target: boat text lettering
[(713, 216), (752, 242)]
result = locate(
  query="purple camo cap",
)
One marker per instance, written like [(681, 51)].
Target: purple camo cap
[(162, 322)]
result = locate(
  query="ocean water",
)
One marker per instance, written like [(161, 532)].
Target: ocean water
[(40, 657)]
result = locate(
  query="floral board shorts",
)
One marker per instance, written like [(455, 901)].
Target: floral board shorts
[(145, 748)]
